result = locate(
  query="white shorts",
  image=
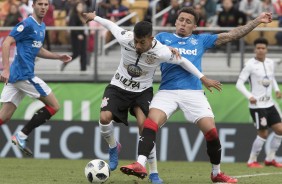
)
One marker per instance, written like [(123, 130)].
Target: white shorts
[(15, 92), (193, 103)]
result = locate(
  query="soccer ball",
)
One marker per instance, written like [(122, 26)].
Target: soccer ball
[(97, 171)]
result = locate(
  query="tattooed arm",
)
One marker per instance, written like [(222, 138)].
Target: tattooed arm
[(241, 31)]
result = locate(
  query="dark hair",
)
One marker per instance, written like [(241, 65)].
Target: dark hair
[(143, 29), (191, 11), (261, 41)]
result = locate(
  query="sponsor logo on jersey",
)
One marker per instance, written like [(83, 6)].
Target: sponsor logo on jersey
[(20, 28), (128, 83), (127, 49), (187, 51), (131, 44), (134, 70), (37, 44), (123, 32), (181, 43), (168, 41), (265, 81)]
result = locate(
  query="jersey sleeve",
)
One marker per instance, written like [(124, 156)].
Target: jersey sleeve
[(20, 31), (243, 77), (159, 37), (209, 40), (167, 56), (119, 33)]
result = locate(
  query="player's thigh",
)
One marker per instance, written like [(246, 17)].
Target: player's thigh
[(7, 111), (165, 101), (34, 87), (274, 120), (11, 93), (50, 100), (141, 100), (116, 101), (195, 105), (259, 117)]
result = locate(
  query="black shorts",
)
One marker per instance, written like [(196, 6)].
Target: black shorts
[(119, 101), (265, 117)]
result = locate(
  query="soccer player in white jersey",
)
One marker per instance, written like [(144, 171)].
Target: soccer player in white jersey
[(180, 89), (131, 85), (19, 78), (260, 73)]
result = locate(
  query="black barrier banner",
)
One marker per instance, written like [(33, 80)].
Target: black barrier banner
[(175, 141)]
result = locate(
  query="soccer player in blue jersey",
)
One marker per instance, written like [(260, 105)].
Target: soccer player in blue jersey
[(180, 89), (19, 78)]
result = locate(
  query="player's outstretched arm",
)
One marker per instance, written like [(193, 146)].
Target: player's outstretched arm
[(43, 53), (241, 31), (111, 26)]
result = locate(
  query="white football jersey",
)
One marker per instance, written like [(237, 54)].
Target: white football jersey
[(262, 81), (135, 72)]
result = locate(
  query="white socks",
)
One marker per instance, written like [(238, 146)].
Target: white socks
[(107, 132), (152, 161), (215, 169), (142, 160), (256, 148), (274, 146)]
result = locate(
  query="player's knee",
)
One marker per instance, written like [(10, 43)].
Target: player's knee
[(105, 118), (211, 134)]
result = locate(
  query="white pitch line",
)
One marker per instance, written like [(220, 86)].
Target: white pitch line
[(254, 175)]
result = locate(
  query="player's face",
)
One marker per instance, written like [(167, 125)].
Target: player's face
[(143, 44), (185, 24), (40, 8), (260, 50)]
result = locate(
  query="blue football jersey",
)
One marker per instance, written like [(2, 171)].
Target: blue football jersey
[(29, 36), (192, 48)]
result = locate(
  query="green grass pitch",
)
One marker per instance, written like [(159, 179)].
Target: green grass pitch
[(63, 171)]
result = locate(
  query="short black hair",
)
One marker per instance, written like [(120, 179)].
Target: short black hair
[(143, 29), (191, 11), (260, 41)]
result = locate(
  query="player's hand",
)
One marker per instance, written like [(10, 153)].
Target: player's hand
[(65, 58), (265, 17), (175, 52), (278, 94), (210, 83), (253, 100), (89, 16), (5, 76)]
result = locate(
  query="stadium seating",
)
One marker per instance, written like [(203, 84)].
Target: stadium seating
[(139, 6)]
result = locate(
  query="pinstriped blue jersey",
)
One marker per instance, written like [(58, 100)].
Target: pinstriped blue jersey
[(29, 36), (192, 48)]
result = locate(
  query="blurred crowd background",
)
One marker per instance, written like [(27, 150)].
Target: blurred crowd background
[(214, 14)]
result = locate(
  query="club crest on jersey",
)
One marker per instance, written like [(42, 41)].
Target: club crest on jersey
[(263, 121), (193, 41), (20, 28), (150, 59), (104, 102)]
